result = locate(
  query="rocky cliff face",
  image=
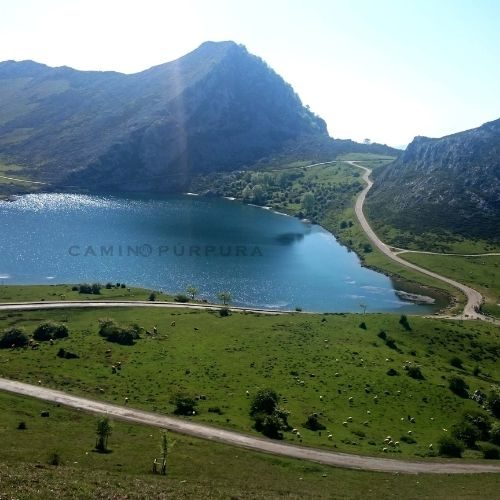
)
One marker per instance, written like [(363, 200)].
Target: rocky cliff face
[(452, 183)]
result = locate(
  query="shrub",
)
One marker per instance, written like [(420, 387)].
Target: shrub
[(223, 312), (113, 332), (13, 337), (21, 426), (109, 286), (123, 285), (54, 459), (269, 425), (184, 404), (480, 421), (459, 387), (312, 423), (456, 362), (152, 297), (403, 321), (495, 433), (407, 439), (180, 297), (490, 452), (50, 330), (449, 446), (494, 403), (62, 353), (415, 372), (382, 335), (466, 432), (391, 343), (362, 325), (392, 372)]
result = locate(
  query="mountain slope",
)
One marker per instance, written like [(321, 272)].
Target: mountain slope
[(216, 108), (451, 184)]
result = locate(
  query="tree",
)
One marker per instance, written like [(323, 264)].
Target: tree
[(192, 291), (152, 296), (184, 404), (247, 193), (13, 337), (258, 194), (224, 297), (308, 202), (103, 432), (264, 401)]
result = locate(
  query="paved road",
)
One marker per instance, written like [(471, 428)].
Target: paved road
[(71, 304), (474, 298), (21, 180), (242, 440), (399, 251)]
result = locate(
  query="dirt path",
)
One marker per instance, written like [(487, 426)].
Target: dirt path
[(474, 298), (191, 428)]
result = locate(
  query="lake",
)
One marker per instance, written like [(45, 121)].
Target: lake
[(263, 258)]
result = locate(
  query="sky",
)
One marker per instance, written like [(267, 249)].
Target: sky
[(384, 70)]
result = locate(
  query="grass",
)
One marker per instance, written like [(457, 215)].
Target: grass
[(40, 293), (481, 273), (222, 358), (197, 469)]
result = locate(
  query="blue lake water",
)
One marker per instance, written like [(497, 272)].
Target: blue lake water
[(264, 259)]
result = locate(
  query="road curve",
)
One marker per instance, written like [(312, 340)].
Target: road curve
[(242, 440), (474, 298)]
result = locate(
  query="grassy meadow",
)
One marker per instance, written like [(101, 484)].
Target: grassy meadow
[(41, 293), (196, 468), (316, 362)]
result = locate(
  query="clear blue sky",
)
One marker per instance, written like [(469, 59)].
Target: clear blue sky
[(386, 70)]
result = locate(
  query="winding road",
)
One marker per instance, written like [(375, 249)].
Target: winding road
[(243, 440), (474, 298)]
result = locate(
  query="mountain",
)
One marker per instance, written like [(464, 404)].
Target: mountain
[(216, 108), (452, 183)]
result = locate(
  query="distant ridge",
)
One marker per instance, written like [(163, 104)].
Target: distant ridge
[(451, 184)]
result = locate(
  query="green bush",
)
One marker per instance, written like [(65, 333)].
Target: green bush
[(456, 362), (312, 423), (49, 330), (490, 452), (480, 421), (449, 446), (459, 387), (113, 332), (13, 337), (403, 321), (467, 433), (415, 372), (184, 404), (494, 403), (180, 297), (495, 433)]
